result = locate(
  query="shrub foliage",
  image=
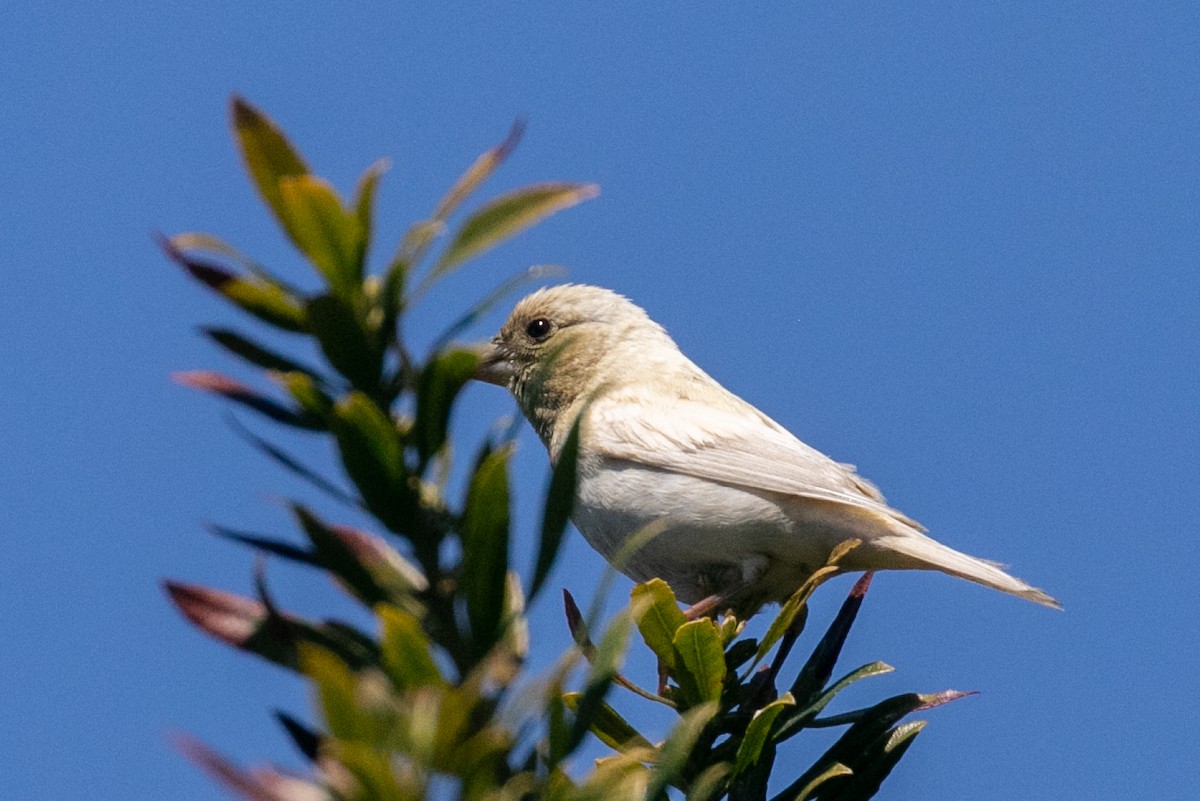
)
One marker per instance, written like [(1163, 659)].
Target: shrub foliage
[(435, 699)]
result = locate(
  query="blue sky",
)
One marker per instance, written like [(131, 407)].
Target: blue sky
[(954, 245)]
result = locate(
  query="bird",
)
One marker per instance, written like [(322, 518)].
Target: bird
[(740, 512)]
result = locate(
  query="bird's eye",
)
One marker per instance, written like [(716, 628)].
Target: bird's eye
[(538, 329)]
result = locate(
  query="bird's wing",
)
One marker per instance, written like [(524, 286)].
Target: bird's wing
[(732, 443)]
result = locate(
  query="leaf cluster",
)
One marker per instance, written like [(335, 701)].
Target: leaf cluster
[(429, 697)]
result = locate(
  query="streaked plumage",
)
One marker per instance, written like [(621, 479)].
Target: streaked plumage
[(744, 502)]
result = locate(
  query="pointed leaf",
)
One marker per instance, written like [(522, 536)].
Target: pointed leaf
[(854, 748), (305, 388), (609, 727), (758, 732), (478, 172), (437, 388), (364, 212), (226, 387), (292, 464), (699, 661), (344, 712), (337, 559), (274, 547), (832, 772), (268, 155), (560, 500), (711, 784), (323, 229), (252, 626), (374, 459), (345, 343), (390, 301), (793, 606), (268, 302), (407, 653), (677, 748), (399, 580), (507, 216), (253, 352), (804, 716), (485, 548), (260, 784), (578, 627), (658, 618), (819, 667), (884, 754), (601, 671), (307, 741)]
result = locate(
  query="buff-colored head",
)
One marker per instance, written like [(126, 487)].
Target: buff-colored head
[(562, 343)]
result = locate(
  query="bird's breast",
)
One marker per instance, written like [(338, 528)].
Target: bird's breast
[(704, 523)]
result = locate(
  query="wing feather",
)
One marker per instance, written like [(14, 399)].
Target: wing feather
[(731, 443)]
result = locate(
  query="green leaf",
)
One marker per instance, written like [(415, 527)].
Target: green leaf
[(306, 390), (268, 155), (307, 741), (339, 560), (364, 212), (335, 687), (758, 732), (478, 172), (577, 625), (253, 352), (374, 459), (699, 661), (228, 388), (347, 714), (390, 300), (658, 618), (437, 388), (284, 550), (602, 670), (507, 216), (344, 341), (401, 582), (793, 606), (268, 302), (739, 653), (819, 667), (560, 499), (609, 727), (292, 464), (885, 753), (323, 230), (254, 627), (711, 784), (832, 772), (196, 240), (677, 748), (858, 745), (804, 715), (485, 549), (406, 650)]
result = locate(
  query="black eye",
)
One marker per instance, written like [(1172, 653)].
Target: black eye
[(538, 329)]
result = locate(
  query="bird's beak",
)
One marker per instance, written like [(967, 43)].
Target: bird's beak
[(494, 365)]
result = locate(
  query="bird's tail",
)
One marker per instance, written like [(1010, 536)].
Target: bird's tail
[(917, 551)]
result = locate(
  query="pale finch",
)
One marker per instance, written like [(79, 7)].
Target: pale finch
[(744, 510)]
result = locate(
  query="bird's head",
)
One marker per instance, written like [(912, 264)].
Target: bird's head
[(562, 343)]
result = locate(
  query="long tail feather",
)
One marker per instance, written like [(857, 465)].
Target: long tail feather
[(916, 551)]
